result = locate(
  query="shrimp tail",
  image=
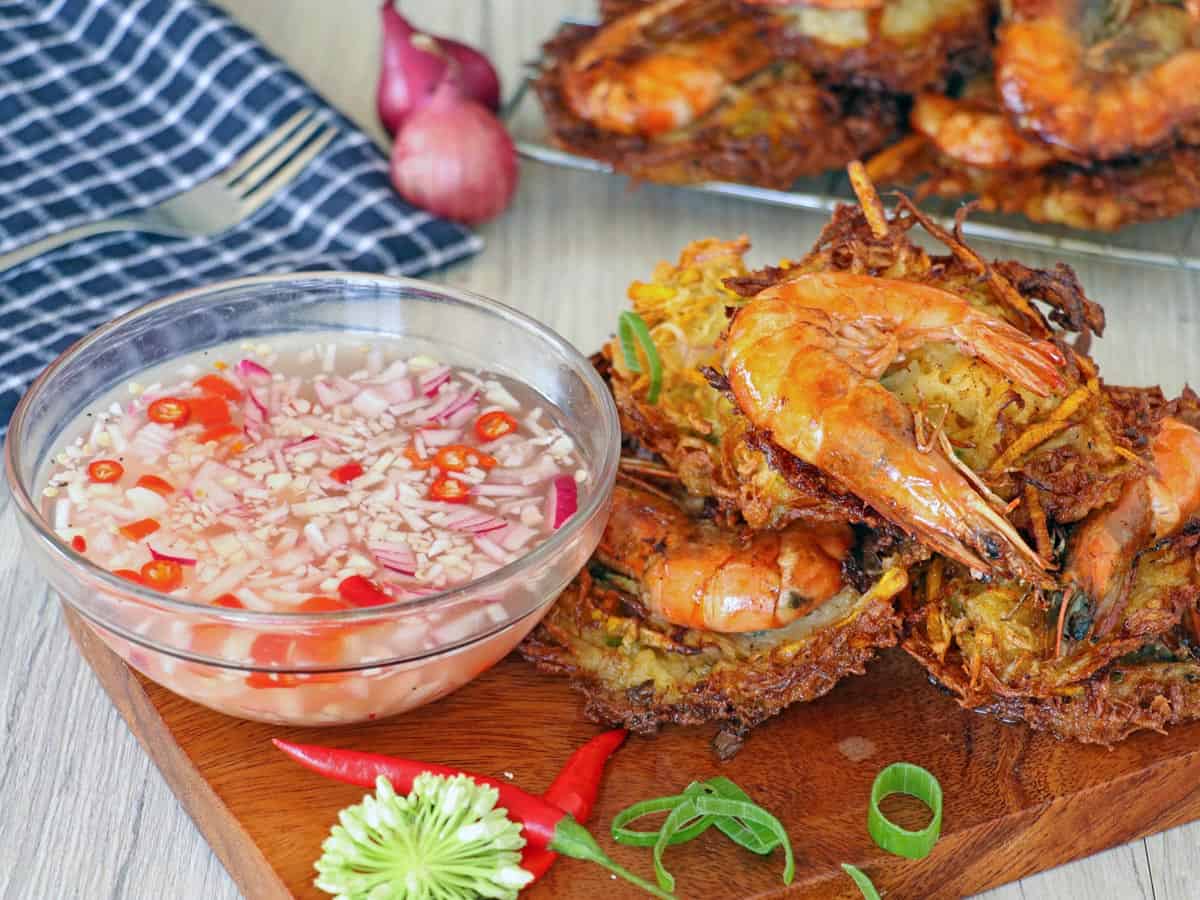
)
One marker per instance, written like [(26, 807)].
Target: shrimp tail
[(1035, 364)]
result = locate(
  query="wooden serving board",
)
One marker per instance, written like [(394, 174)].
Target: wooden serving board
[(1016, 802)]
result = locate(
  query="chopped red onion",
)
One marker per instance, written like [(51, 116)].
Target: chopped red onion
[(432, 381), (170, 557), (501, 490), (248, 368), (370, 404), (516, 536), (491, 549), (561, 501), (398, 390), (303, 442), (440, 437), (460, 403)]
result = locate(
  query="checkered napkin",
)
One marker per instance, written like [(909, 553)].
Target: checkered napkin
[(110, 106)]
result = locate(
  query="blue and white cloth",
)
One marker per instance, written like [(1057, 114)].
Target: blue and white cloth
[(111, 106)]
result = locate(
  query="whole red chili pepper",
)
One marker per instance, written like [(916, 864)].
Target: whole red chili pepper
[(575, 791), (544, 825)]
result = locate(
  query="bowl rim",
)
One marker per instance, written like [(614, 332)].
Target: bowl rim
[(602, 478)]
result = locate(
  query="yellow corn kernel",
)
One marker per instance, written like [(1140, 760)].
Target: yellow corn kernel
[(640, 290)]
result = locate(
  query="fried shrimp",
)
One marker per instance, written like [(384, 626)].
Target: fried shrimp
[(1100, 89), (1104, 547), (975, 136), (803, 359), (693, 573), (770, 128), (680, 620), (623, 81)]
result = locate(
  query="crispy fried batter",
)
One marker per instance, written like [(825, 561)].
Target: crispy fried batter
[(1101, 197), (902, 46), (1113, 705), (1003, 650), (776, 127), (642, 676)]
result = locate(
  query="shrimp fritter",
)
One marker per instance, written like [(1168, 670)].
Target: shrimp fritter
[(899, 46), (1100, 197), (667, 107), (1065, 443), (611, 630), (1116, 648)]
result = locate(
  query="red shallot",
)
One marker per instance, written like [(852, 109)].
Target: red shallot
[(454, 158), (414, 64)]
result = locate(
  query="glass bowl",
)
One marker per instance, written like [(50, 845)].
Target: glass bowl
[(343, 666)]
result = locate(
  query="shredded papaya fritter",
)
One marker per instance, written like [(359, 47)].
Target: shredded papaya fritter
[(777, 126), (1005, 649), (1099, 197), (641, 675), (693, 426), (1074, 448), (901, 46)]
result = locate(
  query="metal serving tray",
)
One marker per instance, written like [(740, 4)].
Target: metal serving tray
[(1174, 243)]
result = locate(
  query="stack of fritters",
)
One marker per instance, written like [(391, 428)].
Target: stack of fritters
[(874, 435), (1066, 111)]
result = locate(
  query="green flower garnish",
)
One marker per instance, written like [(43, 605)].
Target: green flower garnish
[(446, 840)]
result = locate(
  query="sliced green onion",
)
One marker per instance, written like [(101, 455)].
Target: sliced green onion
[(863, 882), (702, 805), (630, 328), (684, 812), (634, 838), (754, 837), (748, 813), (905, 778)]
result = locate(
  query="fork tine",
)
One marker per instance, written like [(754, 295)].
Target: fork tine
[(265, 190), (247, 160), (249, 182)]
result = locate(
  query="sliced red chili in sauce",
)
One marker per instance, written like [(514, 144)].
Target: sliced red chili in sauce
[(420, 463), (460, 457), (218, 387), (105, 471), (160, 486), (359, 590), (347, 473), (135, 531), (495, 424), (209, 411), (218, 433), (169, 411), (162, 574), (450, 490)]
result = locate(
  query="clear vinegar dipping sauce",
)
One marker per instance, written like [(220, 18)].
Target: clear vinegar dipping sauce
[(314, 473), (311, 473)]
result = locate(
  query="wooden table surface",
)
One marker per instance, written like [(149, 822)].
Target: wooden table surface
[(83, 812)]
